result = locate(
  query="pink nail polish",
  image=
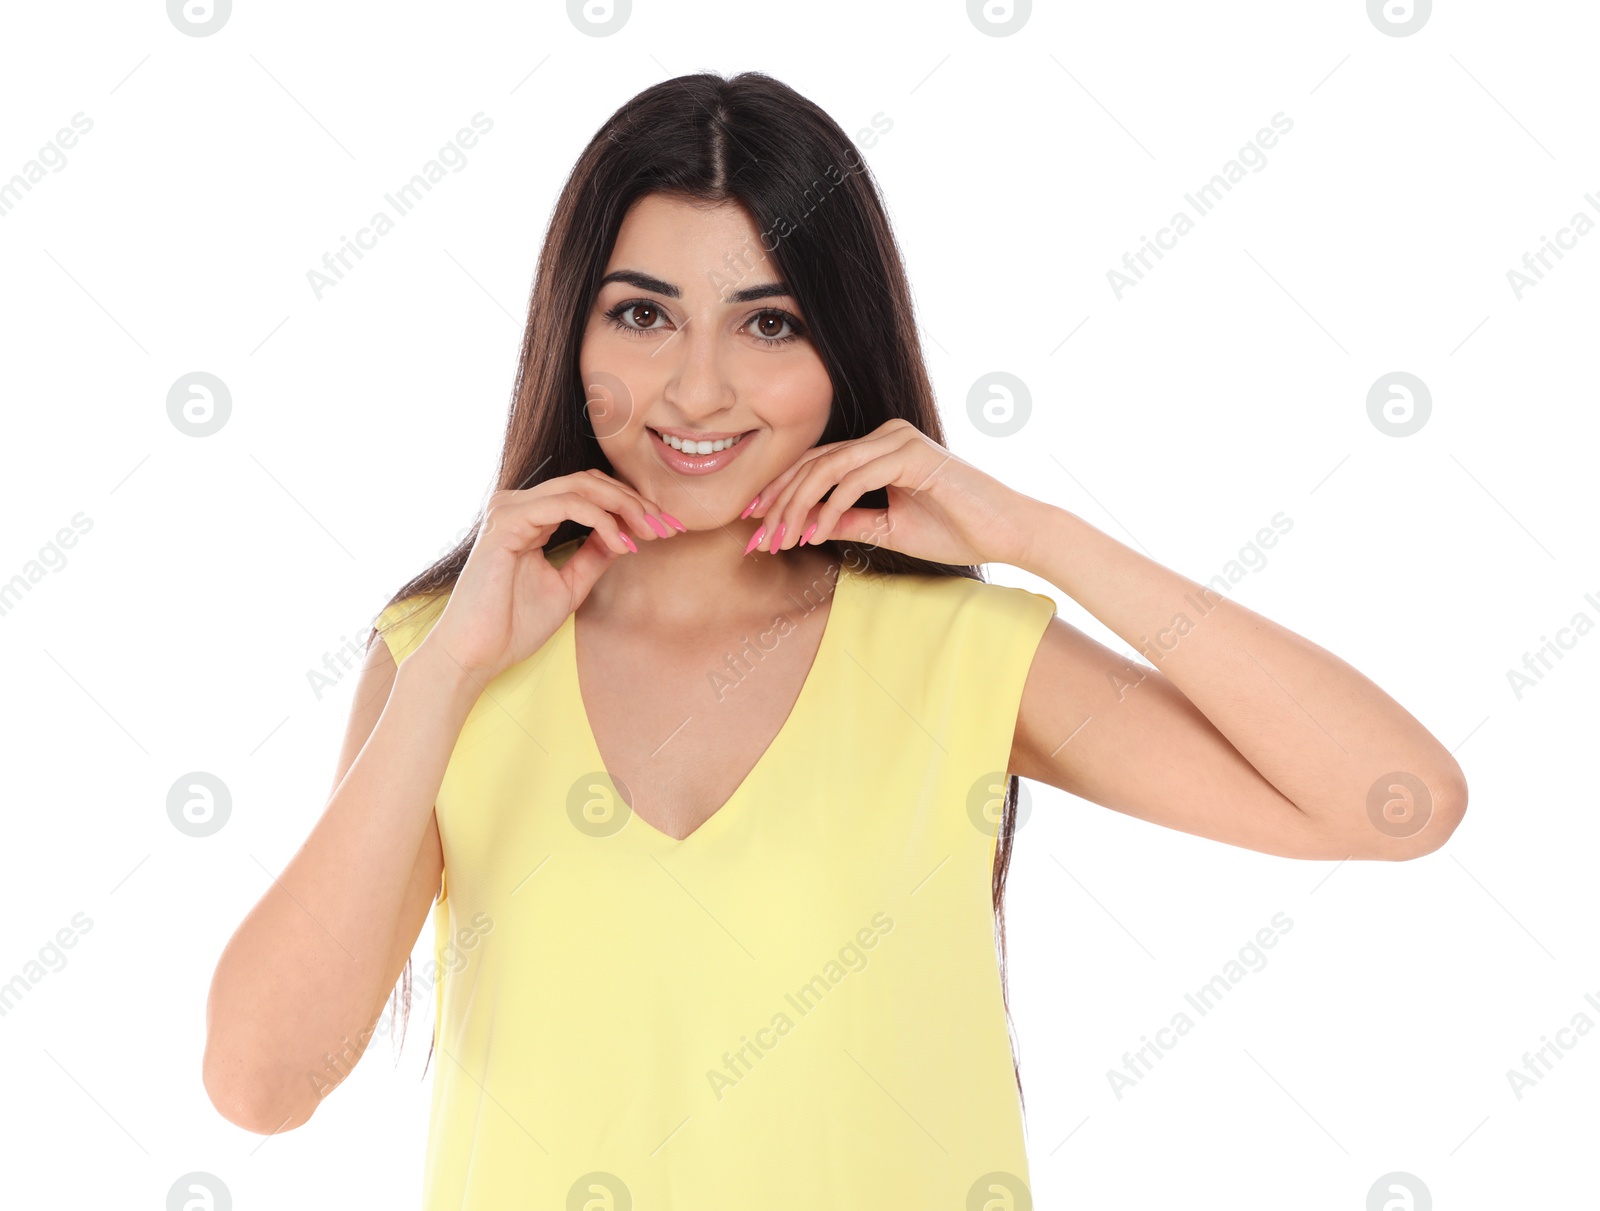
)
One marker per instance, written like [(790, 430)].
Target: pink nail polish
[(749, 507), (671, 520), (755, 539), (660, 527), (777, 539), (628, 542), (806, 537)]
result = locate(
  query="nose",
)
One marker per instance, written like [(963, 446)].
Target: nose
[(696, 383)]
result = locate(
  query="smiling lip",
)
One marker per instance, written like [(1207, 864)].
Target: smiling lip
[(698, 464)]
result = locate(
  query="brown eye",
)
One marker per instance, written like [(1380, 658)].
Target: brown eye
[(635, 317), (769, 326)]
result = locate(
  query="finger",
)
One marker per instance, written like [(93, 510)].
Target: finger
[(867, 527), (596, 516), (831, 513), (794, 503), (531, 521), (611, 495), (646, 507), (891, 430), (775, 486), (808, 480), (622, 500), (586, 565), (790, 512)]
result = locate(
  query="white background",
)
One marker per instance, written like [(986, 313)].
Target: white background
[(1227, 386)]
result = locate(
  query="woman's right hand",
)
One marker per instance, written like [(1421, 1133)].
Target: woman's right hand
[(509, 598)]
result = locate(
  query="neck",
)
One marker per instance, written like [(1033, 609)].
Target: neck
[(690, 579)]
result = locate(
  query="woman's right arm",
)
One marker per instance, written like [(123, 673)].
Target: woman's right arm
[(308, 972)]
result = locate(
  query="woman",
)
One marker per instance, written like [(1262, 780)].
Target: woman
[(713, 815)]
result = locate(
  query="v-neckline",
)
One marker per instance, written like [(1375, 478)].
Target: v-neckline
[(823, 656)]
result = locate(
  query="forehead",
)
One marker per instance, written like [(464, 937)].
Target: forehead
[(683, 242)]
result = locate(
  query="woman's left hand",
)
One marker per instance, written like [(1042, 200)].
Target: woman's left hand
[(940, 508)]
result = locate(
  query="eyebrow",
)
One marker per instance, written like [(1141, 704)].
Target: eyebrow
[(644, 281)]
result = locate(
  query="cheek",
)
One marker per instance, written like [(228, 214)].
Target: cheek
[(617, 386), (801, 399)]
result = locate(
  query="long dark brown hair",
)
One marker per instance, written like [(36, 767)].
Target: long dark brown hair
[(754, 141)]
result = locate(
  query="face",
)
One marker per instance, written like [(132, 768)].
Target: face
[(694, 338)]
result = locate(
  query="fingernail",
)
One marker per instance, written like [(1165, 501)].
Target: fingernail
[(806, 537), (749, 507), (777, 539), (754, 539), (628, 542), (660, 527), (674, 521)]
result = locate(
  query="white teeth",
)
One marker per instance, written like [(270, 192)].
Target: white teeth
[(688, 447)]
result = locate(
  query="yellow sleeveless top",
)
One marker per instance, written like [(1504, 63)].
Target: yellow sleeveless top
[(796, 1006)]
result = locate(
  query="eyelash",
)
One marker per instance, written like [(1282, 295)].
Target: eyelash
[(616, 313)]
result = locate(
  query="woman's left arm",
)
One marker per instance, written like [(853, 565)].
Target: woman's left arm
[(1244, 731)]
